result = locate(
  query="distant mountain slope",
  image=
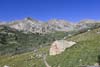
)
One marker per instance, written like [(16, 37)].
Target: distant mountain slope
[(35, 26), (85, 52), (60, 25), (14, 42), (88, 24)]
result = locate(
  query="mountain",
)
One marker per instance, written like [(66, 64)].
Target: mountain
[(26, 25), (86, 25), (35, 26), (60, 25)]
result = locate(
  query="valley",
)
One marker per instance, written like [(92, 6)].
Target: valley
[(19, 48)]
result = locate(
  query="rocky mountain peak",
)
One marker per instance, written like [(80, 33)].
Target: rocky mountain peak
[(88, 21), (28, 18), (29, 24), (58, 22)]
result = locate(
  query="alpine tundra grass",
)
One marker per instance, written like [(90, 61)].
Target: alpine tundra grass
[(85, 52)]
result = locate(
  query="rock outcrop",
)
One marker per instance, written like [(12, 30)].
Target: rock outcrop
[(59, 46)]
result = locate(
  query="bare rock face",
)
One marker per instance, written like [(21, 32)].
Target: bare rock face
[(36, 26), (87, 24), (27, 25), (60, 25), (59, 46)]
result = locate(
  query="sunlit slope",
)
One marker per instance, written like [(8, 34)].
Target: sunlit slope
[(85, 52), (28, 59)]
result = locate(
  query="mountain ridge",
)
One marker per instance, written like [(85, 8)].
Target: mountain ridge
[(36, 26)]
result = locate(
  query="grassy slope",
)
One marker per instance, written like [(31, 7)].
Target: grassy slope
[(87, 49), (15, 42), (22, 60)]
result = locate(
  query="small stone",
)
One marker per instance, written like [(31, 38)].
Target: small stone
[(6, 66)]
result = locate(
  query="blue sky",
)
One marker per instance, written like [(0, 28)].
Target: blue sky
[(71, 10)]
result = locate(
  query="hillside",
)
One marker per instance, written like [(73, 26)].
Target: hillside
[(14, 42), (85, 52)]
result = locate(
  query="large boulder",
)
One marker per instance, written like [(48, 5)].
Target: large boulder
[(59, 46)]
